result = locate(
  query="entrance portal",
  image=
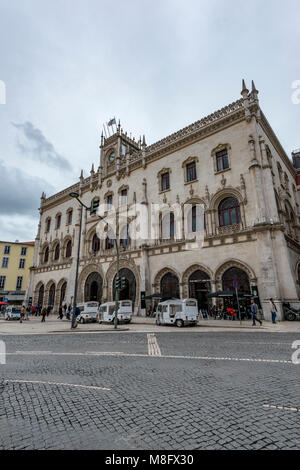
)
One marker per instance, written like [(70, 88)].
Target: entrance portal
[(199, 288), (169, 286), (93, 287), (129, 291)]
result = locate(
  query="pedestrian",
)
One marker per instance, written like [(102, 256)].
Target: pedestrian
[(49, 308), (60, 313), (27, 311), (22, 314), (254, 310), (65, 309), (44, 313), (273, 309)]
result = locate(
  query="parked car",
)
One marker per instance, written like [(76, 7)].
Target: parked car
[(179, 312), (290, 313), (12, 313), (107, 312), (88, 312)]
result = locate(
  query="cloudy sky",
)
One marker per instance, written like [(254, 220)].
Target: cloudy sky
[(70, 65)]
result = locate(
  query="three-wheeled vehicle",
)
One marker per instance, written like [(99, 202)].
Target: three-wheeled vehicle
[(177, 312), (88, 312), (12, 312), (107, 312)]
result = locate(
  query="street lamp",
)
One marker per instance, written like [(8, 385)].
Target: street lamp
[(75, 195)]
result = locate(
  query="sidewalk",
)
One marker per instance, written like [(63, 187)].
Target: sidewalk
[(139, 325)]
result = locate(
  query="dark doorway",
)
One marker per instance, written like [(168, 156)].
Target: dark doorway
[(93, 287), (51, 295), (199, 288), (41, 295), (243, 286), (63, 293), (169, 286), (129, 291)]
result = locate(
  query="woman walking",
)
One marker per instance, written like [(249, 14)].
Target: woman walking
[(273, 309)]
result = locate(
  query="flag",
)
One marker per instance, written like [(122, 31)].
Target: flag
[(111, 122)]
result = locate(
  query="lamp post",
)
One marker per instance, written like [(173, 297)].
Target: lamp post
[(76, 196)]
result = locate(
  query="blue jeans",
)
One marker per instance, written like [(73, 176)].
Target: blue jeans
[(273, 317), (254, 317)]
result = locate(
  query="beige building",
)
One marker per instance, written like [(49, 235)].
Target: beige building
[(232, 164), (15, 260)]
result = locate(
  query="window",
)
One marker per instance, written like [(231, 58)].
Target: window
[(69, 249), (124, 238), (58, 221), (168, 226), (46, 255), (56, 252), (123, 197), (6, 249), (22, 263), (191, 172), (2, 282), (165, 181), (69, 217), (5, 262), (109, 201), (19, 282), (48, 225), (222, 160), (95, 243), (109, 243), (229, 212), (23, 251)]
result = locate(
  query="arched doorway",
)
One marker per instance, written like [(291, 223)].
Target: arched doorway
[(243, 284), (63, 293), (199, 288), (129, 291), (51, 295), (41, 295), (93, 287), (169, 285)]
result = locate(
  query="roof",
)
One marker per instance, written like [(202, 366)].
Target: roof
[(17, 243)]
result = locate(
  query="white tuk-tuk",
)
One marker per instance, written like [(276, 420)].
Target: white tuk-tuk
[(107, 312), (88, 312), (177, 312)]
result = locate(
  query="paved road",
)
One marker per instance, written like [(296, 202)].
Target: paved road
[(193, 390)]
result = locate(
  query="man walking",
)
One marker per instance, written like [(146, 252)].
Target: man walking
[(22, 314), (273, 309), (254, 310), (44, 313)]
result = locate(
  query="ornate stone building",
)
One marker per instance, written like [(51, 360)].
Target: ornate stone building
[(231, 163)]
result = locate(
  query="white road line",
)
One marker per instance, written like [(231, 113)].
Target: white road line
[(170, 356), (280, 407), (91, 387), (153, 348)]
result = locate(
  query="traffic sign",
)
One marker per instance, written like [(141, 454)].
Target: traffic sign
[(235, 284)]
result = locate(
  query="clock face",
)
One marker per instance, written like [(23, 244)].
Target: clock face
[(111, 156)]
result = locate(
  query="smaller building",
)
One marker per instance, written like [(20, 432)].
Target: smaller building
[(15, 261)]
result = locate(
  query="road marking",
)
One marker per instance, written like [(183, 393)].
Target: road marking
[(91, 387), (165, 356), (284, 408), (153, 348), (32, 353)]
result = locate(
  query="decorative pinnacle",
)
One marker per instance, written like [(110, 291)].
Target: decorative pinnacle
[(254, 90), (245, 90)]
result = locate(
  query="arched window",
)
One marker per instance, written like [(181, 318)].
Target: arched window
[(229, 212), (41, 295), (124, 237), (56, 252), (51, 295), (63, 292), (95, 243), (69, 216), (46, 254), (109, 243), (48, 224), (69, 249), (196, 219)]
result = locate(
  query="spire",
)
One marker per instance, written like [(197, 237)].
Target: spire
[(102, 139), (144, 141), (119, 126), (254, 91), (92, 169), (245, 90)]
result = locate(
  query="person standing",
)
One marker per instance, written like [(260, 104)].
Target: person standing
[(254, 310), (60, 313), (273, 309), (22, 314), (44, 313)]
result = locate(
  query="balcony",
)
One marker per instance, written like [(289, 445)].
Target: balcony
[(229, 229)]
